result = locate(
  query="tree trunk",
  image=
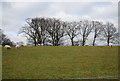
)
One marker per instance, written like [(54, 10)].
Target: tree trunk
[(83, 42), (43, 41), (94, 40), (56, 42), (72, 41), (108, 41), (35, 43)]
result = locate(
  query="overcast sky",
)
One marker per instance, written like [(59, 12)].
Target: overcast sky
[(15, 13)]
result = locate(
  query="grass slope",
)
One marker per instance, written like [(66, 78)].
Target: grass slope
[(59, 62)]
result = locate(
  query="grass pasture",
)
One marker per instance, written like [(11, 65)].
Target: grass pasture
[(51, 62)]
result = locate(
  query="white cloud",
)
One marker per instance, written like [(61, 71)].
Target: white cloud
[(65, 17), (16, 38), (106, 11)]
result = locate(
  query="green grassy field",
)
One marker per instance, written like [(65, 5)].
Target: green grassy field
[(51, 62)]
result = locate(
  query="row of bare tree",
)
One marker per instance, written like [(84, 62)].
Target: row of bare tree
[(39, 30)]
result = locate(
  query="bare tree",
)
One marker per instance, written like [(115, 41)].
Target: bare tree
[(39, 26), (85, 28), (109, 32), (29, 33), (56, 29), (97, 29), (116, 38), (72, 31), (35, 30), (4, 40)]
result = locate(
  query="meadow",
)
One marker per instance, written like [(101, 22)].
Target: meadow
[(52, 62)]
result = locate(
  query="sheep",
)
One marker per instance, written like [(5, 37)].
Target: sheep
[(7, 46), (17, 46), (110, 45), (50, 44)]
